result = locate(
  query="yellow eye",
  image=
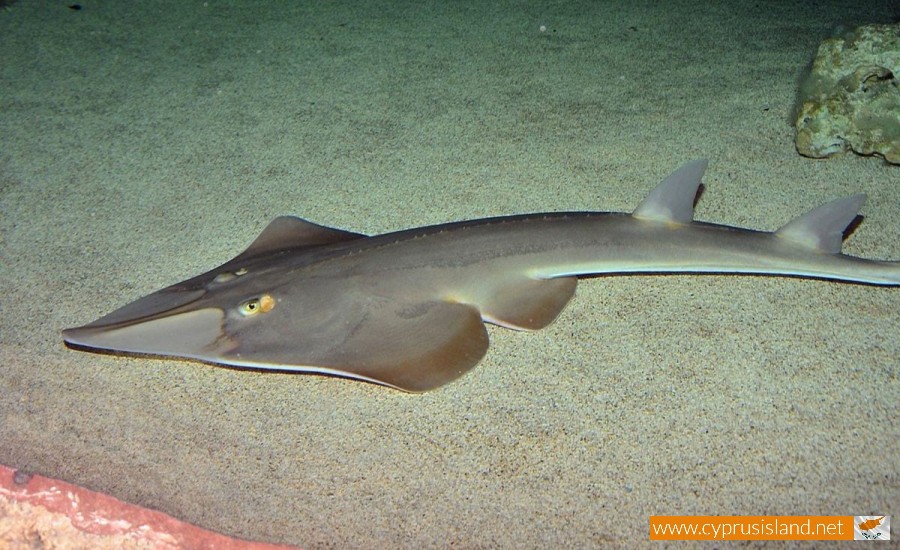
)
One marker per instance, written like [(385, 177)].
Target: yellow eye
[(263, 304)]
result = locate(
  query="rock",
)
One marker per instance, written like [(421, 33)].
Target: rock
[(851, 98)]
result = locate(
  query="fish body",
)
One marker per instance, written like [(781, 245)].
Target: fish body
[(407, 309)]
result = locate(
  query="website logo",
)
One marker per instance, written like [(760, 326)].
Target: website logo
[(871, 527)]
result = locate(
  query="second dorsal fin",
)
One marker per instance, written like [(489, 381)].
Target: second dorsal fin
[(822, 229)]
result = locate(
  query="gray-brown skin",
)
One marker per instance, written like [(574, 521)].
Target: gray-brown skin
[(407, 309)]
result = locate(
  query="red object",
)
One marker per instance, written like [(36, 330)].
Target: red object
[(98, 514)]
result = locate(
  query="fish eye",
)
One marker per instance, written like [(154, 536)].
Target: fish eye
[(254, 306)]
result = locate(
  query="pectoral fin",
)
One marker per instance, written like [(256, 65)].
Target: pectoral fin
[(411, 346)]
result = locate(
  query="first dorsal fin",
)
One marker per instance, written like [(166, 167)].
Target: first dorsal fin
[(822, 229), (673, 199), (293, 232)]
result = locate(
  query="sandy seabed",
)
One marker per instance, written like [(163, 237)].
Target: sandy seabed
[(144, 143)]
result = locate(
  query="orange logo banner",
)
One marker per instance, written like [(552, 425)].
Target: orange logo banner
[(751, 527)]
